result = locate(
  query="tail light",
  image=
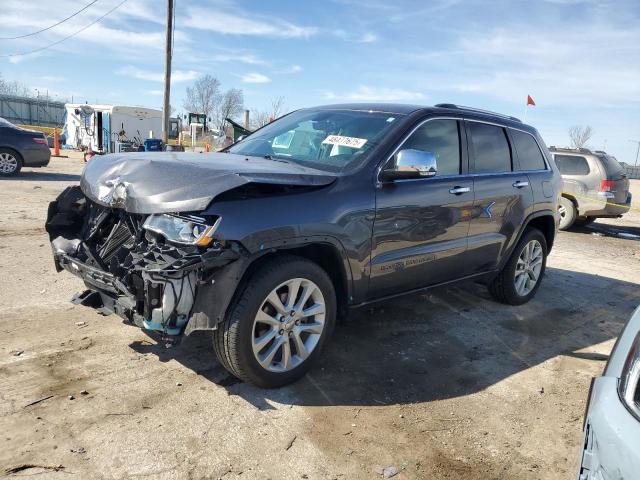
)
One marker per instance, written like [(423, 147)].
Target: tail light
[(40, 140), (606, 185)]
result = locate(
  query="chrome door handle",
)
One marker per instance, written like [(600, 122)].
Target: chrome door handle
[(521, 184), (459, 190)]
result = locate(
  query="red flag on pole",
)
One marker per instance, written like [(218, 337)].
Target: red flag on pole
[(530, 101)]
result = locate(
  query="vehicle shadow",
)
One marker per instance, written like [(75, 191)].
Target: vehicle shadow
[(41, 176), (446, 343), (624, 232)]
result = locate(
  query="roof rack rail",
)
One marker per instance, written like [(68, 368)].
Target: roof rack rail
[(476, 110)]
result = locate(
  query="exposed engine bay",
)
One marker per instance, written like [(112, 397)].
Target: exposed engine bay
[(132, 270)]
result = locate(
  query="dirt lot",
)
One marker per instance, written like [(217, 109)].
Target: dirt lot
[(442, 385)]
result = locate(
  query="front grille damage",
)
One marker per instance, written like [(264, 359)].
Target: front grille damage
[(128, 270)]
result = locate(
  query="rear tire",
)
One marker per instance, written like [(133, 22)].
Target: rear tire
[(514, 284), (568, 213), (279, 323), (10, 162)]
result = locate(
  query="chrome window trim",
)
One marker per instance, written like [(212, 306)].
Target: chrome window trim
[(468, 174), (405, 138)]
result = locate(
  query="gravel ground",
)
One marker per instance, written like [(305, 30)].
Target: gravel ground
[(446, 384)]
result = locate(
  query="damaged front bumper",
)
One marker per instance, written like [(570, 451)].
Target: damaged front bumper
[(138, 275)]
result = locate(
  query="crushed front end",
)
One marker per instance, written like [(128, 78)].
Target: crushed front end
[(157, 271)]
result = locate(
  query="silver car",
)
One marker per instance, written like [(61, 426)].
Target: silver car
[(595, 186), (612, 420)]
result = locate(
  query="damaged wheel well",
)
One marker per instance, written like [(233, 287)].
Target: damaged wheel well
[(323, 254)]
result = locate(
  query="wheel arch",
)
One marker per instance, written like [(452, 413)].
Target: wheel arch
[(543, 220), (329, 256), (573, 200), (214, 298), (14, 151)]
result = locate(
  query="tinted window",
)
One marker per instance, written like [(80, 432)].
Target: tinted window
[(529, 154), (572, 164), (611, 165), (441, 138), (490, 148)]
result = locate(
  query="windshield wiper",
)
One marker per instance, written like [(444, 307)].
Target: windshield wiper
[(275, 159)]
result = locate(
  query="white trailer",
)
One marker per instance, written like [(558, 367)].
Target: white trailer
[(99, 127)]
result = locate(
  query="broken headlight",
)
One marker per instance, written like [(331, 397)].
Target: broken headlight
[(629, 383), (183, 229)]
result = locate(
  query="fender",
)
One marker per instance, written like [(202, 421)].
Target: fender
[(525, 224), (218, 292)]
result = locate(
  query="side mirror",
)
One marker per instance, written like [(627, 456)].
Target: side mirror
[(411, 164)]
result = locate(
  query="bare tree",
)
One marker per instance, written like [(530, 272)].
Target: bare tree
[(15, 88), (277, 107), (580, 135), (230, 105), (203, 96), (259, 118)]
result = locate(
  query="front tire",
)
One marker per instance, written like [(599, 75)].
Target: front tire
[(10, 162), (520, 278), (279, 324)]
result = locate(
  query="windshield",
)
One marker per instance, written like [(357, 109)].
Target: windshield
[(331, 140)]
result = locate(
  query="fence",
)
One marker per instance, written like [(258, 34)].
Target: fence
[(32, 111), (632, 172)]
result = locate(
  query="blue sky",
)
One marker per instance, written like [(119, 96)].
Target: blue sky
[(578, 59)]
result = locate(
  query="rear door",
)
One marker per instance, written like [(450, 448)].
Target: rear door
[(530, 160), (503, 197), (420, 228)]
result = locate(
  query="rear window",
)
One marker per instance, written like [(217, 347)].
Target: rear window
[(611, 166), (529, 154), (572, 164), (490, 148)]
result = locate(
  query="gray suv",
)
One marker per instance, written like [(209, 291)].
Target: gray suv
[(324, 210), (594, 186)]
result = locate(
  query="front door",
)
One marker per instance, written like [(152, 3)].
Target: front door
[(503, 196), (421, 226)]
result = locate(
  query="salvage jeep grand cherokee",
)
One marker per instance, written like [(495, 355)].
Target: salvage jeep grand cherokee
[(322, 210)]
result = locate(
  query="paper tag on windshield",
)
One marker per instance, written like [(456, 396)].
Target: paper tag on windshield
[(352, 142)]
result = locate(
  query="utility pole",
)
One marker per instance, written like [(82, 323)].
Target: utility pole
[(167, 72), (637, 151)]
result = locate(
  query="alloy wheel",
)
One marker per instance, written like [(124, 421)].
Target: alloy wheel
[(528, 267), (8, 163), (288, 325), (562, 211)]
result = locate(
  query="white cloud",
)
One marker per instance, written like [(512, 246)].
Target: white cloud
[(563, 67), (140, 74), (365, 93), (235, 24), (155, 93), (290, 70), (248, 58), (368, 37), (255, 78)]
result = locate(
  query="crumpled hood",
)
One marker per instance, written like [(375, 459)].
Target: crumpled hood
[(162, 182)]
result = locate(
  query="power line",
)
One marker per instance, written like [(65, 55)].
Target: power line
[(52, 26), (65, 38)]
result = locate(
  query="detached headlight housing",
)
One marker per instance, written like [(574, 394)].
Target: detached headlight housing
[(629, 383), (183, 229)]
